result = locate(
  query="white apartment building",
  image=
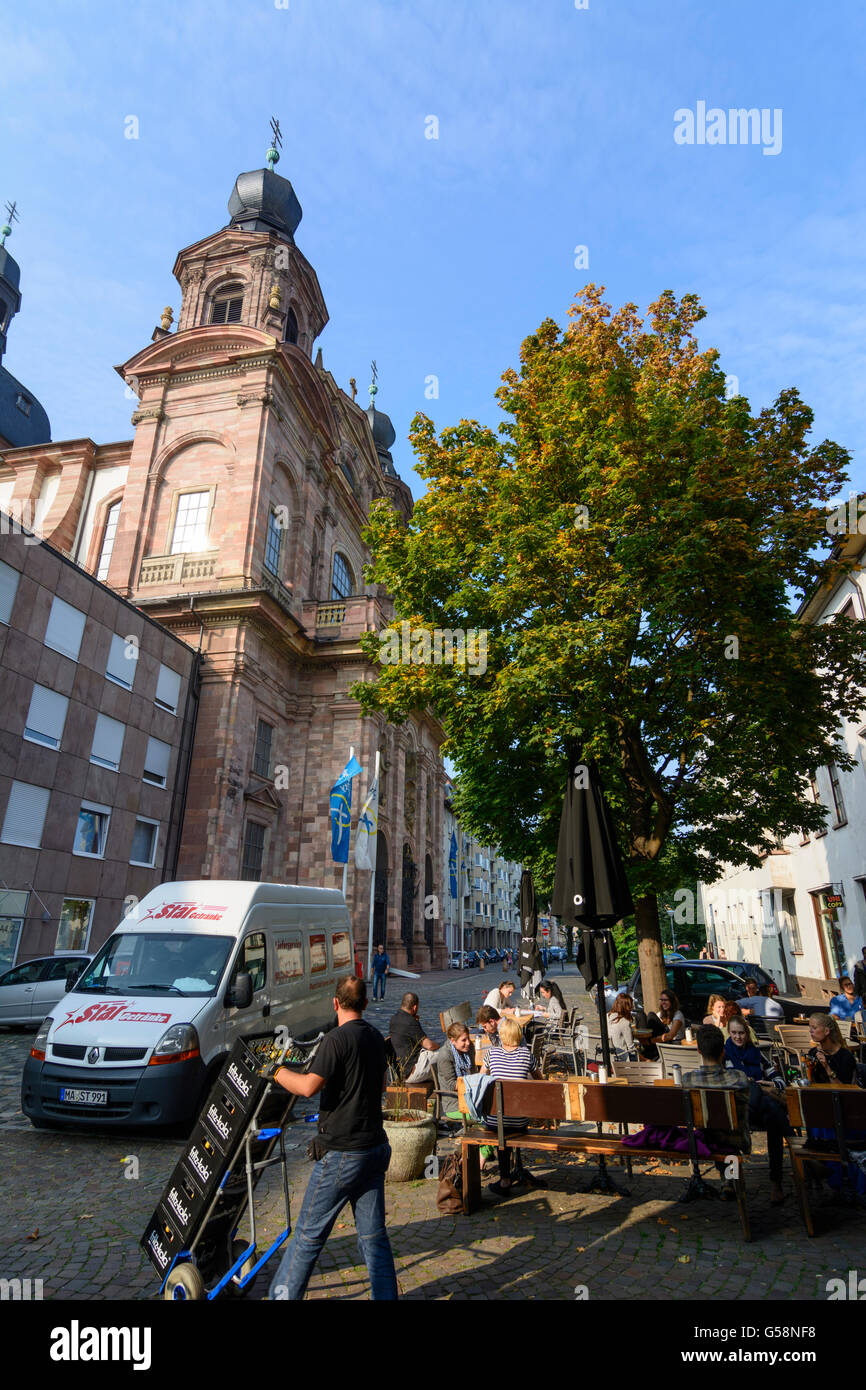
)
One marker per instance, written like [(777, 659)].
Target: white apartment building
[(802, 914), (489, 886)]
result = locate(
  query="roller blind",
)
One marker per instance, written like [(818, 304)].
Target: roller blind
[(156, 762), (46, 716), (65, 628), (25, 815), (8, 590), (120, 668), (107, 742), (168, 689)]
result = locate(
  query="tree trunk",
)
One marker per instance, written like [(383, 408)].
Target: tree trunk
[(649, 951)]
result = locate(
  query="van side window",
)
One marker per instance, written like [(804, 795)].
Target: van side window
[(288, 959), (318, 954), (341, 953), (253, 960)]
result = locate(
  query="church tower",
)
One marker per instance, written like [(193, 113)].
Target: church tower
[(22, 419)]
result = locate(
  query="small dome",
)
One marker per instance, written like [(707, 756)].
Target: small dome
[(384, 436), (262, 201), (9, 270)]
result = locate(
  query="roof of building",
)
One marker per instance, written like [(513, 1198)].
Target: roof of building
[(20, 427), (263, 201)]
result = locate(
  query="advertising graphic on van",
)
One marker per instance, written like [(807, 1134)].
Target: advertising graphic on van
[(115, 1013), (318, 955), (289, 958), (341, 949), (192, 912)]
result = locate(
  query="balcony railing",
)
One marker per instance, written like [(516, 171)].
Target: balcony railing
[(330, 615), (178, 569)]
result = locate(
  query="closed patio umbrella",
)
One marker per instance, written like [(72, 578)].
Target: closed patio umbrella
[(530, 956)]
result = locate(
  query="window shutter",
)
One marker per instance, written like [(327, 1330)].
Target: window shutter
[(65, 628), (47, 714), (120, 668), (168, 689), (156, 761), (8, 590), (25, 815), (107, 741)]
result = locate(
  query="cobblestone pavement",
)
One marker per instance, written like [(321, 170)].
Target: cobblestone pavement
[(72, 1218)]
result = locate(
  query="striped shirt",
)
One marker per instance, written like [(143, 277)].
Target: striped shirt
[(515, 1065)]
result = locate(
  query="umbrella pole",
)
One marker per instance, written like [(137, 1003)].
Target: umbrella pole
[(602, 1180)]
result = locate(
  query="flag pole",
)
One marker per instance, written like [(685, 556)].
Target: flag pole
[(373, 881), (346, 865), (460, 881)]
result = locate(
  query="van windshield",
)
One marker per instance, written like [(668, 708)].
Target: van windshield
[(157, 963)]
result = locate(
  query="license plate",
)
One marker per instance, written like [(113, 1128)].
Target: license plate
[(73, 1096)]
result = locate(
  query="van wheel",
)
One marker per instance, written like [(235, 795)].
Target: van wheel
[(184, 1282)]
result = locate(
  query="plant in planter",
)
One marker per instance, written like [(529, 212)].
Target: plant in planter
[(411, 1133)]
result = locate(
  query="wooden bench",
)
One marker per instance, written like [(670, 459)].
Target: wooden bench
[(582, 1100), (839, 1108)]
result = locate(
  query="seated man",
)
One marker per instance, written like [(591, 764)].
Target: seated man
[(845, 1005), (758, 1003), (487, 1019), (411, 1045), (764, 1113)]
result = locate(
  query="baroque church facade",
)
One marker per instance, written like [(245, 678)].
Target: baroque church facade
[(233, 517)]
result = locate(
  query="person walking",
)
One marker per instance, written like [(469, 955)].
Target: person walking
[(351, 1149), (381, 969)]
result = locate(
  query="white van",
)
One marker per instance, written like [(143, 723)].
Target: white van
[(145, 1028)]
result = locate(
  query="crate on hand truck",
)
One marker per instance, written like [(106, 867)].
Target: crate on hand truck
[(191, 1239)]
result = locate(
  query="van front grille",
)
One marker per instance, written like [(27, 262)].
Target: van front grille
[(75, 1053)]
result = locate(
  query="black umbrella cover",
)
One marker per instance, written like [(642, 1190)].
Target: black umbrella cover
[(530, 956)]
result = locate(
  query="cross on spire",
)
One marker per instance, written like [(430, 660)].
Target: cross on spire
[(11, 216), (273, 155), (374, 390)]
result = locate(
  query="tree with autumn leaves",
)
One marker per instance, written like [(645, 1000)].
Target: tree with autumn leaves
[(634, 544)]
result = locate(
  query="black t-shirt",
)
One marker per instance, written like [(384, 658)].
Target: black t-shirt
[(351, 1059), (406, 1035)]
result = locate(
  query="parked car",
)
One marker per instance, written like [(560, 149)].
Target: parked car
[(472, 958), (29, 991), (693, 981), (745, 970)]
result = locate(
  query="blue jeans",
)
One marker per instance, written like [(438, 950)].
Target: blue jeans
[(378, 980), (336, 1179)]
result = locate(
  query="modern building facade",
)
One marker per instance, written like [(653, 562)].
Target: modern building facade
[(96, 724), (802, 914), (233, 517), (489, 886)]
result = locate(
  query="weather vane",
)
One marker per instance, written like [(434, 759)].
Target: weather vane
[(273, 155), (11, 216), (374, 390)]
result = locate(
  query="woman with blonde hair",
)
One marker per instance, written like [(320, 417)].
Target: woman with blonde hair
[(715, 1004), (831, 1061), (512, 1060)]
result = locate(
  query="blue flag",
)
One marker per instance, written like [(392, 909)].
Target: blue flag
[(452, 864), (341, 811)]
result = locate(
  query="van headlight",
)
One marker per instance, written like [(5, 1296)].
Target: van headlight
[(177, 1044), (37, 1047)]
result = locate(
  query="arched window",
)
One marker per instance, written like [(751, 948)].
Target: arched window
[(342, 579), (108, 535), (274, 540), (348, 474), (291, 326), (227, 305)]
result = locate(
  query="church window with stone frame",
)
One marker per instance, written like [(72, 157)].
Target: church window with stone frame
[(190, 522), (254, 851), (227, 306), (273, 543), (108, 536), (262, 753), (342, 579), (348, 475), (291, 326)]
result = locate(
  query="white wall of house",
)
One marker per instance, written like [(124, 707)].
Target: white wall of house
[(773, 915)]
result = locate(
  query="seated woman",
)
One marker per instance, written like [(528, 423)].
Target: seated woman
[(669, 1024), (500, 997), (715, 1005), (619, 1029), (741, 1052), (510, 1061), (831, 1062), (552, 1000), (730, 1011)]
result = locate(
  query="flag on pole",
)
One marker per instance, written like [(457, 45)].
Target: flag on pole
[(452, 864), (341, 811), (464, 877), (365, 834)]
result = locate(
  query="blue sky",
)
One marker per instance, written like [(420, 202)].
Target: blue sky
[(439, 256)]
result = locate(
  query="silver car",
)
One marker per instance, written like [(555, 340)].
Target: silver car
[(28, 992)]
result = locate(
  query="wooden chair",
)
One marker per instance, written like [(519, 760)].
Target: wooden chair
[(840, 1108), (638, 1073), (445, 1100), (672, 1054), (794, 1040), (461, 1013)]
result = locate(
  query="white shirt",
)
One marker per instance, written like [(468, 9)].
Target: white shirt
[(761, 1007)]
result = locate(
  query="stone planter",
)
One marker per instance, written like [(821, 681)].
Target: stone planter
[(412, 1136)]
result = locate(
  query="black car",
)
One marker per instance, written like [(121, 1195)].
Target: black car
[(792, 1004), (471, 958), (693, 981)]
